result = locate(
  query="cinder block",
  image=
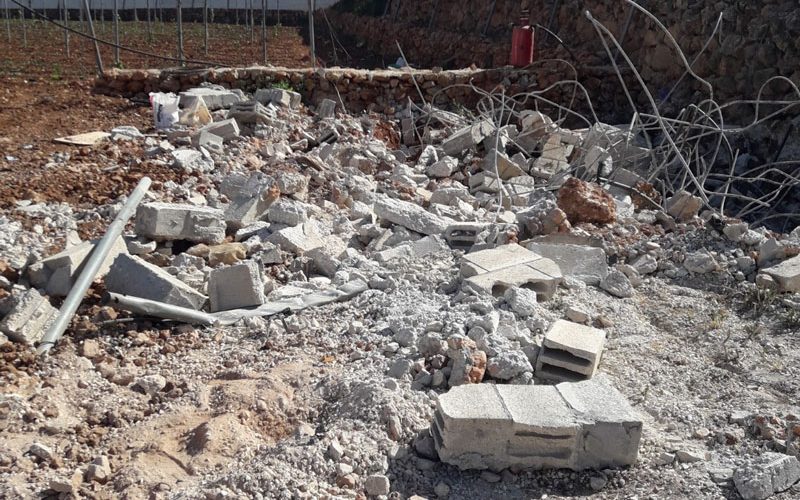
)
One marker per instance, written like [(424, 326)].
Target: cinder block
[(251, 113), (610, 428), (326, 109), (235, 286), (59, 272), (495, 270), (131, 275), (410, 215), (572, 425), (29, 319), (168, 221), (570, 352)]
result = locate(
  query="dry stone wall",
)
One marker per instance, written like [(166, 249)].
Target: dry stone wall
[(757, 40)]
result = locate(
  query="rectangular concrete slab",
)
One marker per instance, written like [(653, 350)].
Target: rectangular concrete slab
[(585, 263), (130, 275), (170, 221), (495, 258), (64, 267)]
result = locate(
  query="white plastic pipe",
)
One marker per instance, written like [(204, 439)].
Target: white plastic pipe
[(89, 272)]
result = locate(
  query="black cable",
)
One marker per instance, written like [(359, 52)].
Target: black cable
[(112, 44)]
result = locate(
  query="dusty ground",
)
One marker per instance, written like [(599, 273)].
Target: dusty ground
[(249, 411)]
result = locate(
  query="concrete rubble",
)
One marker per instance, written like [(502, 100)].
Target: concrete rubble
[(571, 425), (400, 278)]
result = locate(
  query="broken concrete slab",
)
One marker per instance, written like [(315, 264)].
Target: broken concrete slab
[(87, 139), (584, 263), (484, 182), (410, 215), (766, 475), (58, 272), (786, 274), (495, 270), (226, 129), (29, 319), (236, 286), (488, 426), (288, 212), (278, 97), (169, 221), (570, 352), (468, 137), (611, 429), (500, 164), (214, 99), (298, 239), (130, 275), (415, 249)]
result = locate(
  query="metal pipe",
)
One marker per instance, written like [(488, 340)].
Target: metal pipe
[(148, 307), (97, 58), (93, 264)]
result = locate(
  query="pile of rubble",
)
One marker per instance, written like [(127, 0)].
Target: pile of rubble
[(453, 259)]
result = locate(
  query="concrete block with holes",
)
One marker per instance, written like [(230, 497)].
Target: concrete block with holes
[(575, 426), (570, 352), (495, 270)]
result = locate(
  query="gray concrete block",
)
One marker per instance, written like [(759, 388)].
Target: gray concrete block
[(610, 428), (766, 475), (468, 137), (570, 352), (327, 258), (60, 271), (288, 212), (786, 274), (235, 287), (213, 98), (278, 97), (131, 275), (226, 129), (493, 259), (571, 425), (29, 319), (495, 270), (410, 215), (584, 263), (298, 239), (168, 221), (251, 113), (246, 210)]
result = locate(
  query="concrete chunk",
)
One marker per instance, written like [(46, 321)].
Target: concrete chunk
[(60, 271), (235, 286), (29, 319), (611, 429), (570, 352), (226, 129), (298, 239), (289, 212), (326, 109), (468, 137), (576, 426), (584, 263), (278, 97), (213, 98), (168, 221), (493, 259), (410, 216), (786, 274), (767, 475), (131, 275)]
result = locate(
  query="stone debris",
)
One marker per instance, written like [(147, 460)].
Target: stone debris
[(766, 475), (130, 275), (581, 262), (494, 271), (410, 216), (570, 352), (468, 137), (169, 221), (236, 286), (57, 273), (786, 274), (29, 318), (225, 129), (586, 202), (213, 98), (684, 206), (571, 425), (278, 97)]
